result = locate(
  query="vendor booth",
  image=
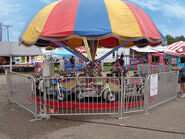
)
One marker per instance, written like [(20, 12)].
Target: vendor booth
[(67, 66), (173, 58), (156, 58), (139, 56), (17, 58)]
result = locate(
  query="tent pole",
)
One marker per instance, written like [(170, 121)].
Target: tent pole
[(87, 49), (11, 63), (113, 50), (76, 51), (59, 44)]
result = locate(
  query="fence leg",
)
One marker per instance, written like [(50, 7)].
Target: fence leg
[(122, 98), (9, 84), (146, 93), (44, 115), (34, 91)]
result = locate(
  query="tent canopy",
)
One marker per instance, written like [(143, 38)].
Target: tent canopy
[(177, 46), (163, 49), (13, 49), (63, 53), (147, 49)]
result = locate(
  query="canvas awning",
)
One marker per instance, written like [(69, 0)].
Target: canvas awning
[(178, 46), (163, 49), (147, 49), (63, 53), (13, 49)]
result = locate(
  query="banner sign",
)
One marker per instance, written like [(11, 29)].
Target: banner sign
[(153, 84)]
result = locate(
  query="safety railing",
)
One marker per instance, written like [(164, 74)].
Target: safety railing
[(20, 89), (77, 95), (147, 69), (162, 87), (55, 96)]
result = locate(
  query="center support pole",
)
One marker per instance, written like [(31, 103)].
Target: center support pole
[(93, 49)]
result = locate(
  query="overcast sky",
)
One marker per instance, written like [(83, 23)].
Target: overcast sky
[(168, 15)]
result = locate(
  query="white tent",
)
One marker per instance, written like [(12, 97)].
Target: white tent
[(162, 49), (13, 49), (147, 49)]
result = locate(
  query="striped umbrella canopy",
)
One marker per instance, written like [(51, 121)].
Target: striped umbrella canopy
[(105, 23)]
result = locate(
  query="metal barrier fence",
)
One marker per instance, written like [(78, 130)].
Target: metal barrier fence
[(167, 83), (133, 95), (20, 88), (55, 96), (147, 69), (79, 95), (17, 68)]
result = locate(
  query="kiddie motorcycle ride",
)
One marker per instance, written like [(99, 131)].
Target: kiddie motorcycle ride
[(93, 87), (85, 86)]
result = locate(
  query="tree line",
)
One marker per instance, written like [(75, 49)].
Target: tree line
[(171, 39)]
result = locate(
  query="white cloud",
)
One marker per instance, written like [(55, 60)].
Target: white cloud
[(146, 3), (175, 9), (169, 8), (46, 1), (8, 7)]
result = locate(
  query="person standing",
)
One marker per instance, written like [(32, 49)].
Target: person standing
[(72, 61), (121, 61), (62, 64), (181, 69)]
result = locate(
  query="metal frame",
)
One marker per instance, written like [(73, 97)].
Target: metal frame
[(39, 106)]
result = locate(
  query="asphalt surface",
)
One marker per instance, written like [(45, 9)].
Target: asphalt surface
[(166, 121)]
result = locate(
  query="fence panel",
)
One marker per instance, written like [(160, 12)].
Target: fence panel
[(59, 95), (20, 89), (166, 88), (78, 95), (145, 70), (133, 95)]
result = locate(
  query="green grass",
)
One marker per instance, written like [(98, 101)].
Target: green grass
[(107, 68)]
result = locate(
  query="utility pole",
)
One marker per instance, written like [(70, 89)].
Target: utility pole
[(7, 28), (0, 32), (11, 58)]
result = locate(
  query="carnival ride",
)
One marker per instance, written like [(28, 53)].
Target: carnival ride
[(99, 23)]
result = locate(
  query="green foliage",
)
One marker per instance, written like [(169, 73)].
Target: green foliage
[(107, 68), (49, 48), (171, 39)]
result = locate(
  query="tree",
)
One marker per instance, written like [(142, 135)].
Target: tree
[(48, 48), (179, 38), (170, 39)]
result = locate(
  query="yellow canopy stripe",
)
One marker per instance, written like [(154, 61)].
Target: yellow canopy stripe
[(122, 20), (37, 25), (87, 48)]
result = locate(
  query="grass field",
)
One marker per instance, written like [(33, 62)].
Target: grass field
[(107, 68)]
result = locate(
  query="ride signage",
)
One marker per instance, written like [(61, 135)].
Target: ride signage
[(153, 84)]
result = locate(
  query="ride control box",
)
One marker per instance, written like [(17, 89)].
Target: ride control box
[(48, 68)]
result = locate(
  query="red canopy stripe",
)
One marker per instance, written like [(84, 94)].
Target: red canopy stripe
[(146, 25), (176, 46), (62, 18)]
